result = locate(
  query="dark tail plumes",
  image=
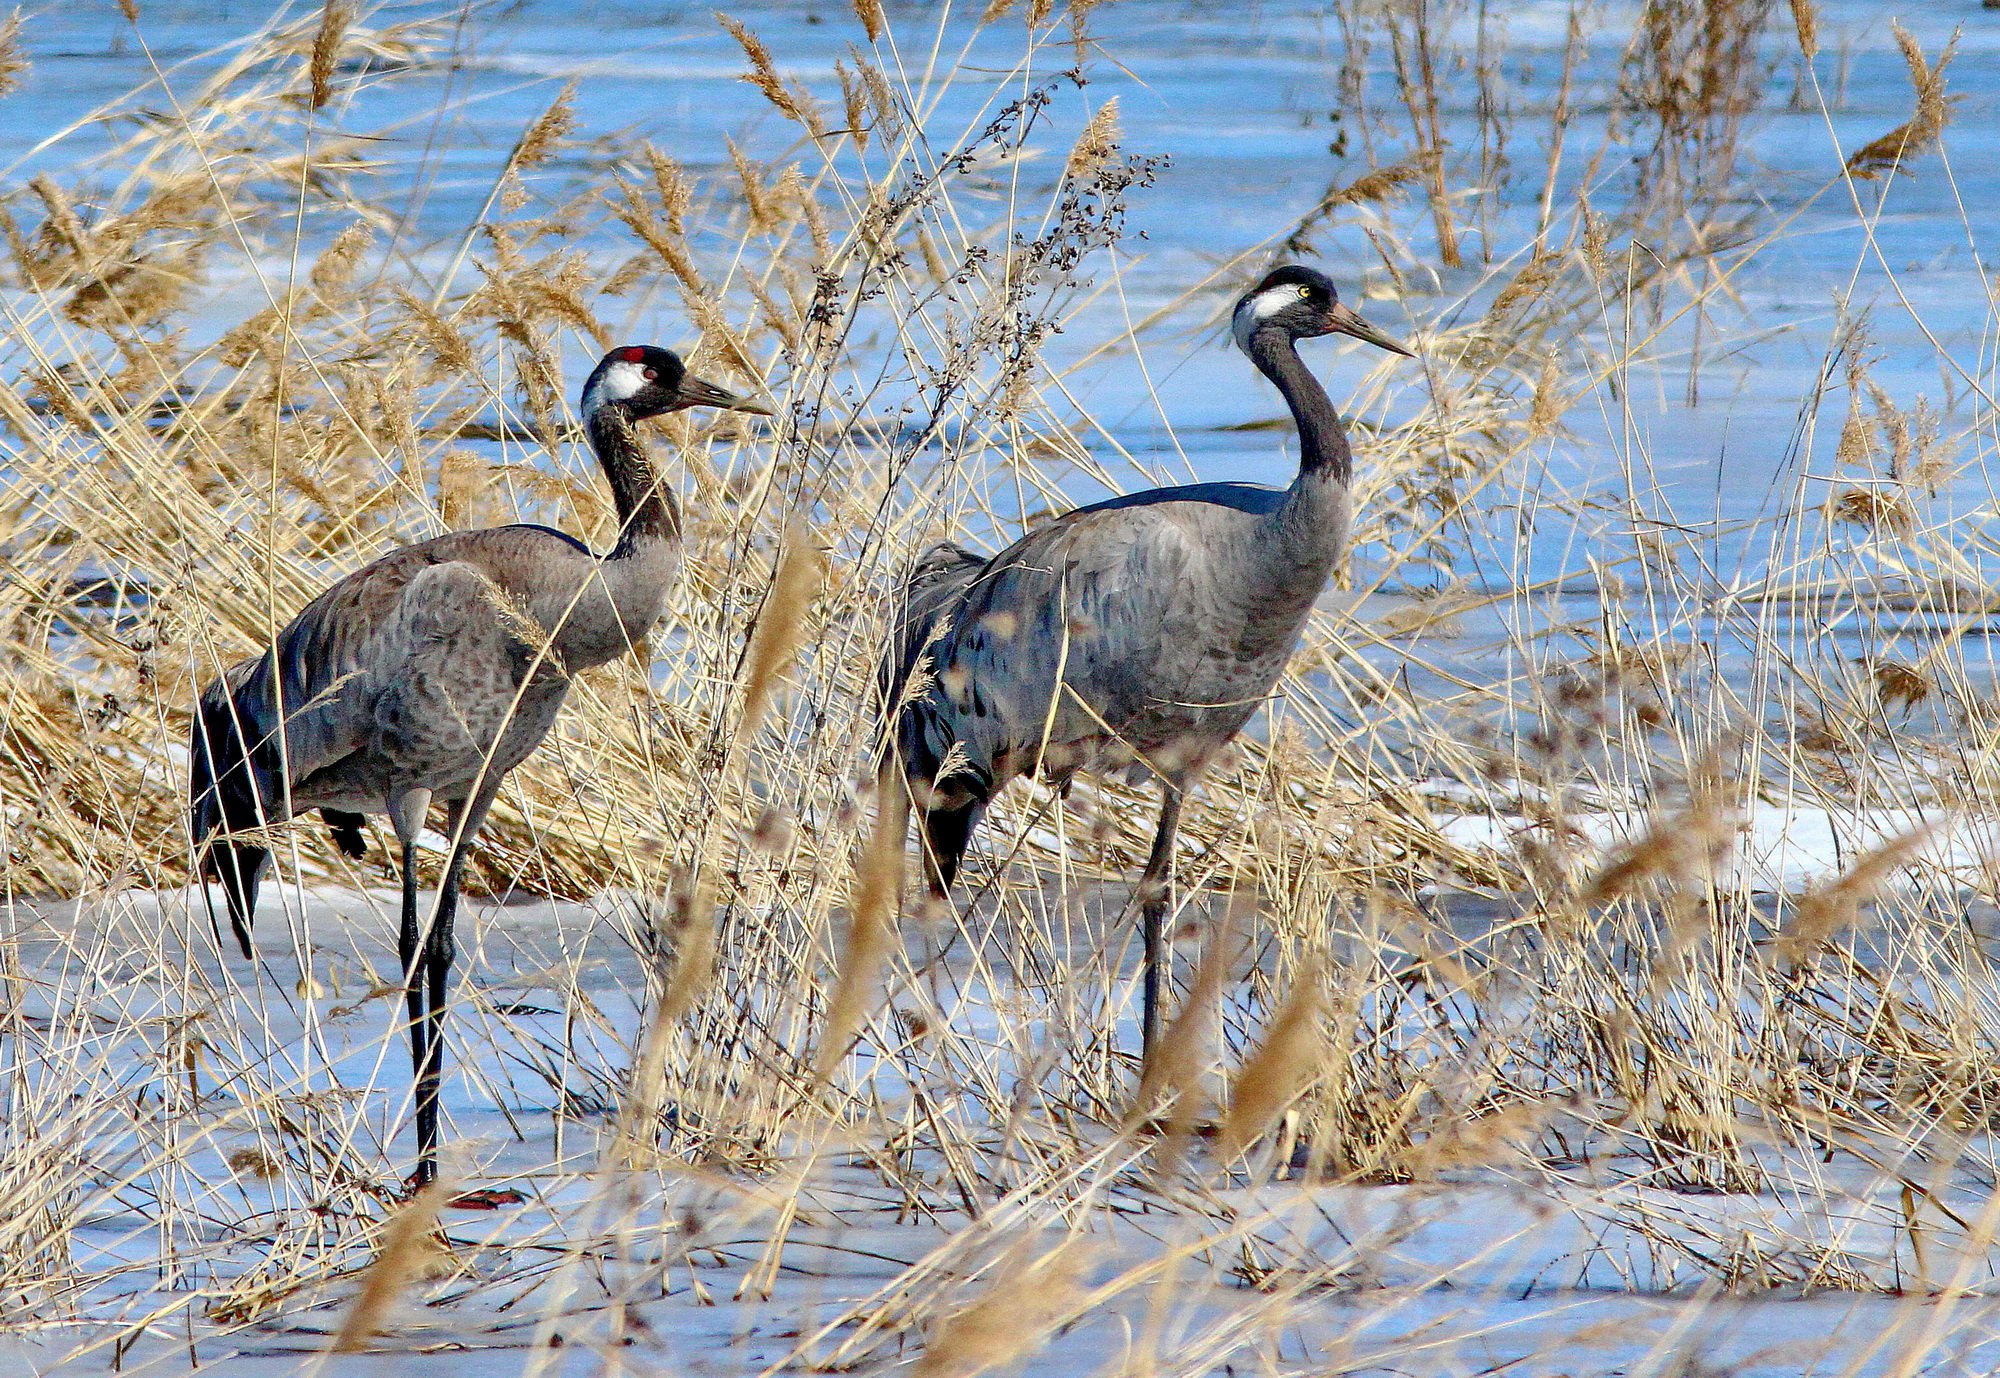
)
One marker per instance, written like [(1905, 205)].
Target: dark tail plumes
[(226, 795), (940, 576), (239, 868), (933, 586), (929, 597)]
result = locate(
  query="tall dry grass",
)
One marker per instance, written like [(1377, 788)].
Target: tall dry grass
[(1597, 1011)]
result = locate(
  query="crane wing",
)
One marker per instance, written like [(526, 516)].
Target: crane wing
[(421, 627), (448, 682), (1057, 640), (270, 720)]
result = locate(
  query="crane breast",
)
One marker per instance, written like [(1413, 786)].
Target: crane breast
[(466, 676)]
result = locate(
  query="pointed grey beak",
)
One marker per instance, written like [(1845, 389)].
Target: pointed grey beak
[(1344, 320), (696, 393)]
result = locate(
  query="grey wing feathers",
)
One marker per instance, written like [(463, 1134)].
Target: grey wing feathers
[(1056, 640), (264, 724), (243, 761), (310, 684), (1088, 599), (450, 694), (1253, 498)]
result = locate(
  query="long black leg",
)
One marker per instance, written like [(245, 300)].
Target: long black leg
[(1155, 898), (440, 949), (406, 813)]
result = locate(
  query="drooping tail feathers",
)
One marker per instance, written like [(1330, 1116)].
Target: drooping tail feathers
[(347, 835), (229, 791), (928, 597), (947, 833)]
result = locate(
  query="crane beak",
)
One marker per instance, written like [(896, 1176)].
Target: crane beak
[(696, 393), (1343, 320)]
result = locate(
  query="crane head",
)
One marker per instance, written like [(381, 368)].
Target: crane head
[(1302, 303), (645, 380)]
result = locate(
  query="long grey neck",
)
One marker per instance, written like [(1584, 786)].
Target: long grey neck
[(647, 509), (1323, 452)]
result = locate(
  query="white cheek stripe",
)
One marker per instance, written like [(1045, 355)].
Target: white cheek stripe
[(621, 381), (1256, 310), (615, 384), (1269, 303)]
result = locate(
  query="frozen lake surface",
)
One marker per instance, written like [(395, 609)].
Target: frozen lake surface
[(1585, 1266)]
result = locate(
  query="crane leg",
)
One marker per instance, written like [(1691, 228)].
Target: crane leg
[(440, 949), (1155, 898), (406, 815)]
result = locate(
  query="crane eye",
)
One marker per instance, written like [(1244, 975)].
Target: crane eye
[(649, 374), (1305, 291)]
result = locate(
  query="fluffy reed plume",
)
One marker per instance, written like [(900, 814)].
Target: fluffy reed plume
[(783, 621), (13, 63), (334, 269), (334, 17), (1377, 185), (1171, 1084), (62, 225), (538, 143), (1876, 508), (1678, 849), (1096, 145), (792, 101), (692, 932), (1898, 685), (1281, 1068), (670, 184), (1826, 911), (1546, 407), (1011, 1319), (1463, 1142), (449, 348), (1805, 21), (1537, 275), (1891, 153), (408, 1248), (873, 22)]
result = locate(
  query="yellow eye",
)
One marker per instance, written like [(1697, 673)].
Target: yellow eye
[(1305, 291)]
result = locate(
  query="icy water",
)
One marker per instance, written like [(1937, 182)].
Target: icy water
[(1244, 100), (1569, 1271)]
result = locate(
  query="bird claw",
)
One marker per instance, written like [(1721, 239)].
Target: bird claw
[(481, 1199)]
